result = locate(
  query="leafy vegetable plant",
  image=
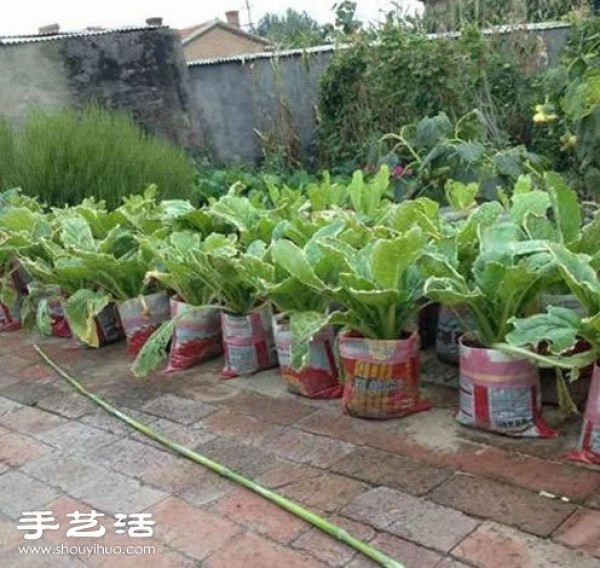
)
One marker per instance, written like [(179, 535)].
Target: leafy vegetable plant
[(498, 284), (371, 276), (560, 329)]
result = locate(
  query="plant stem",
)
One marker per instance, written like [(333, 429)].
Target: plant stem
[(565, 400), (294, 508), (578, 361)]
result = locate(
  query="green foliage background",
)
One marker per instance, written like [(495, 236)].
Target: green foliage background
[(371, 89), (452, 14), (293, 29)]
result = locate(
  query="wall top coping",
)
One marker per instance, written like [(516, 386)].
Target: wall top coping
[(246, 57), (22, 39)]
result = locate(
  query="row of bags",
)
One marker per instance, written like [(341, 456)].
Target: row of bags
[(498, 393), (381, 378)]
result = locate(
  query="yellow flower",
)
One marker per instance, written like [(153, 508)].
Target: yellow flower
[(545, 114), (568, 141), (544, 118)]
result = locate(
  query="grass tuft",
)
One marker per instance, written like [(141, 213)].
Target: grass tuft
[(65, 156)]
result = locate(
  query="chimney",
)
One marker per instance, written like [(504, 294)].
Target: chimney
[(51, 29), (154, 21), (233, 18)]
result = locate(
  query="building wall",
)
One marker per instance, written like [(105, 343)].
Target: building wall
[(218, 42), (142, 72), (32, 76), (240, 99)]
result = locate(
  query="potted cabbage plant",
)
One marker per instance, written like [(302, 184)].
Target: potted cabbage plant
[(552, 338), (318, 375), (193, 332), (376, 285), (22, 225), (498, 391), (229, 270), (99, 285)]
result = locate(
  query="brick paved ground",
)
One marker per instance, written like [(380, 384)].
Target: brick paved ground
[(427, 492)]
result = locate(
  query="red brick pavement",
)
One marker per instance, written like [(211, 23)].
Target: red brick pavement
[(424, 490)]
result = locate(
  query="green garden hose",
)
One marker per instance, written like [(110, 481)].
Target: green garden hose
[(294, 508)]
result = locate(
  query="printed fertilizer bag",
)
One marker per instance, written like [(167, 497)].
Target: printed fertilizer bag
[(109, 326), (450, 328), (500, 393), (196, 335), (10, 316), (589, 441), (51, 319), (381, 377), (319, 379), (141, 317), (248, 342)]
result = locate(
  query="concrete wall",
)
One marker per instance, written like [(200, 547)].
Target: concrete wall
[(270, 95), (142, 71), (239, 96)]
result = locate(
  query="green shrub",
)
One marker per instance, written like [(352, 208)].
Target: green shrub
[(64, 156), (375, 87), (567, 113), (451, 15), (214, 180)]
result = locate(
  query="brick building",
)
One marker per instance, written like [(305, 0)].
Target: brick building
[(220, 39)]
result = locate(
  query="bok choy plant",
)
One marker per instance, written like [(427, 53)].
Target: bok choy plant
[(371, 276), (560, 329), (89, 272), (491, 270)]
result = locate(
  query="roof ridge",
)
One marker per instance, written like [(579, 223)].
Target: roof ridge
[(201, 29)]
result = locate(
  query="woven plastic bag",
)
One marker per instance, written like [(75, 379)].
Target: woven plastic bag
[(51, 319), (319, 379), (500, 393), (248, 342), (196, 336), (109, 326), (589, 441), (10, 316), (141, 317), (450, 328), (381, 377)]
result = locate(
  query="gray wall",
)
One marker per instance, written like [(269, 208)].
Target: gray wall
[(142, 71), (219, 104), (238, 96)]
